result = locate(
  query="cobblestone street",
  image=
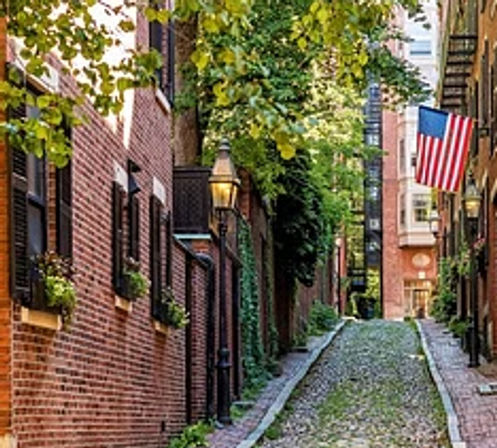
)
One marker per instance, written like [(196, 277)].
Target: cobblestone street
[(370, 389)]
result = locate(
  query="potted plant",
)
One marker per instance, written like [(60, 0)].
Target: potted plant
[(52, 285), (174, 314), (134, 284)]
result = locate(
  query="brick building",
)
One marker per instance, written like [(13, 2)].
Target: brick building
[(409, 265), (118, 376), (469, 68)]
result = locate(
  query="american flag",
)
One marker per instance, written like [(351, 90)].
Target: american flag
[(443, 144)]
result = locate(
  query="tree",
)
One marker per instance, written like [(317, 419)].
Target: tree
[(234, 42)]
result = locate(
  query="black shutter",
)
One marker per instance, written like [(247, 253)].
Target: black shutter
[(155, 255), (493, 94), (475, 111), (170, 62), (155, 41), (134, 228), (19, 182), (484, 87), (64, 210), (117, 234), (169, 250)]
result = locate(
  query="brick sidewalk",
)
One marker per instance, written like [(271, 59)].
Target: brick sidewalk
[(231, 436), (477, 414)]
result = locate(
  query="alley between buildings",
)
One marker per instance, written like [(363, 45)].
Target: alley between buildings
[(370, 389)]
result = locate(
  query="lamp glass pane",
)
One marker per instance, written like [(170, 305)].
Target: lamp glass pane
[(221, 194)]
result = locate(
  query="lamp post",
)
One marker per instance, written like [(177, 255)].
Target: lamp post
[(224, 184), (472, 202)]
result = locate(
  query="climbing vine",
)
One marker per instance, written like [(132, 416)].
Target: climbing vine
[(253, 352), (269, 285), (444, 304)]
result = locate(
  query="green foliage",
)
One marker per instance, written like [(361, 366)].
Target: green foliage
[(322, 318), (351, 307), (56, 274), (462, 262), (252, 60), (83, 43), (263, 78), (272, 362), (175, 314), (458, 326), (137, 284), (254, 362), (444, 304), (299, 228), (192, 436)]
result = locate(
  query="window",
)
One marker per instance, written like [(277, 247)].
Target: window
[(420, 205), (484, 87), (160, 257), (402, 208), (402, 156), (162, 39), (34, 193), (420, 48), (126, 233)]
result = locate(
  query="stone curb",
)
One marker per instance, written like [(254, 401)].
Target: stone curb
[(284, 395), (456, 440)]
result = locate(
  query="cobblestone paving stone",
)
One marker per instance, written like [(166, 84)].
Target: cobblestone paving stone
[(231, 436), (370, 389)]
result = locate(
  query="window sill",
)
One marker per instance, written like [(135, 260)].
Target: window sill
[(41, 319), (163, 101), (124, 304), (160, 327)]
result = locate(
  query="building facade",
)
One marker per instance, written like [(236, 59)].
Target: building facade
[(469, 78), (119, 375), (409, 262)]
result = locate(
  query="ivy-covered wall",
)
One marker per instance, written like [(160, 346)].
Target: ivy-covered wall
[(253, 356)]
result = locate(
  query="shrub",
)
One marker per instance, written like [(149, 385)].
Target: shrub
[(444, 304), (322, 318), (192, 436)]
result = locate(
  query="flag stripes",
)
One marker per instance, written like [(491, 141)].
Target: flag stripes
[(443, 145)]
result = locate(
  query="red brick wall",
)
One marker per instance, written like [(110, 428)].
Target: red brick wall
[(5, 307), (392, 272), (112, 379)]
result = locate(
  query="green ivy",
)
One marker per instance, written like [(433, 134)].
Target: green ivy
[(254, 363), (444, 306), (300, 227), (269, 285)]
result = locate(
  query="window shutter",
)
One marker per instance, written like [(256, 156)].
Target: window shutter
[(171, 45), (19, 182), (134, 228), (169, 250), (155, 41), (155, 255), (475, 114), (493, 134), (117, 234), (484, 86), (64, 210)]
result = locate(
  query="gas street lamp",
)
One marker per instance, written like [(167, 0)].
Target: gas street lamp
[(224, 184), (472, 203)]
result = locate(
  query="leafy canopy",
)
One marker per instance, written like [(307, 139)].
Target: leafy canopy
[(242, 51)]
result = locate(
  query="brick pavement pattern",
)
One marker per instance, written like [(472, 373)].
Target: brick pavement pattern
[(290, 365), (477, 414)]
